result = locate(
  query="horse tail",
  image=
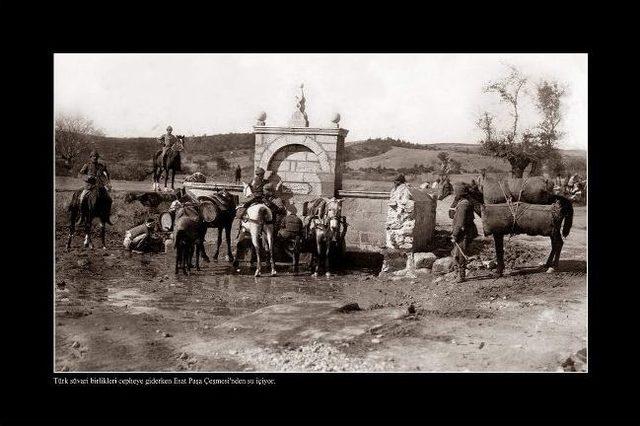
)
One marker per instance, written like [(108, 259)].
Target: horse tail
[(566, 207)]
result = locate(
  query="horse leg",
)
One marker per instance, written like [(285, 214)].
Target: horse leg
[(198, 255), (203, 235), (498, 239), (318, 254), (227, 230), (173, 177), (73, 216), (327, 254), (103, 233), (255, 240), (215, 255), (556, 243), (178, 255), (166, 178), (186, 260), (236, 262), (295, 254), (270, 243), (87, 233)]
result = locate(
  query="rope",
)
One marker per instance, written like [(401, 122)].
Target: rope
[(516, 212)]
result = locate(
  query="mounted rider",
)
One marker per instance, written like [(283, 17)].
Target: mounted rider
[(262, 192), (168, 140), (95, 177)]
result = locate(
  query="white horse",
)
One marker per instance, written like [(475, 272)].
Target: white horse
[(258, 222)]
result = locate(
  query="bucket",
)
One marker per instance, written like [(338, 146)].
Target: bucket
[(209, 211), (166, 221)]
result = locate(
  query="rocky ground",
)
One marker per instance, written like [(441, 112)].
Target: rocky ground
[(117, 311)]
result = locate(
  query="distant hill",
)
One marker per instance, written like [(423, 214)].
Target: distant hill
[(373, 147), (130, 158), (399, 157)]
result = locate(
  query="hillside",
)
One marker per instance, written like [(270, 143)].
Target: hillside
[(130, 158), (398, 158)]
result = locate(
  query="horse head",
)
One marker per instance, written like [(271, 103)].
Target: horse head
[(444, 190), (246, 190), (469, 191), (179, 145), (334, 217)]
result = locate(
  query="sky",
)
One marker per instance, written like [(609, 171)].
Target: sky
[(422, 98)]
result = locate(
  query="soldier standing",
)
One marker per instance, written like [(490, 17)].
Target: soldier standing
[(238, 173), (462, 235)]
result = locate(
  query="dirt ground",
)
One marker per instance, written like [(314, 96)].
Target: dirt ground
[(117, 311)]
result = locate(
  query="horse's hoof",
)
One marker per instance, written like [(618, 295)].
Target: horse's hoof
[(238, 270), (315, 274), (104, 247), (274, 273), (328, 274), (551, 270), (257, 274)]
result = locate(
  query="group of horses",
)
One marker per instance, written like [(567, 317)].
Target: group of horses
[(324, 233), (323, 237)]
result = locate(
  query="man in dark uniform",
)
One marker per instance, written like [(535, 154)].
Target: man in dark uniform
[(238, 173), (95, 176), (462, 235), (168, 140)]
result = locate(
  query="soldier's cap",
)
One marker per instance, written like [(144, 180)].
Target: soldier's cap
[(169, 128), (399, 179), (260, 171)]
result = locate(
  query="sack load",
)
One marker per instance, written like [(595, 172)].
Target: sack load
[(520, 218), (132, 233), (534, 190)]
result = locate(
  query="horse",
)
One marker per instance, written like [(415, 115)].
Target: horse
[(444, 189), (258, 222), (559, 213), (326, 235), (96, 203), (171, 163), (224, 210), (187, 236)]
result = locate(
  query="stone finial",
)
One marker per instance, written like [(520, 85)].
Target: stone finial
[(299, 117), (336, 119), (261, 118)]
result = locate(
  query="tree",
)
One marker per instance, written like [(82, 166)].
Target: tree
[(443, 156), (531, 146), (222, 164), (72, 136)]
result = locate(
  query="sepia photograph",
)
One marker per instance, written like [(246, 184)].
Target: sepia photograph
[(320, 213)]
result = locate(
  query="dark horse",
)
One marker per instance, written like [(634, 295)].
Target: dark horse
[(96, 203), (171, 163), (225, 212), (564, 215)]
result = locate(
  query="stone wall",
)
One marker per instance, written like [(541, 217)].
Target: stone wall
[(366, 213)]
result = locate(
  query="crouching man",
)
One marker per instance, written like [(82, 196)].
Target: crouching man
[(463, 233)]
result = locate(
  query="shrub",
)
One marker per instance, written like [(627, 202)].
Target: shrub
[(130, 170)]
